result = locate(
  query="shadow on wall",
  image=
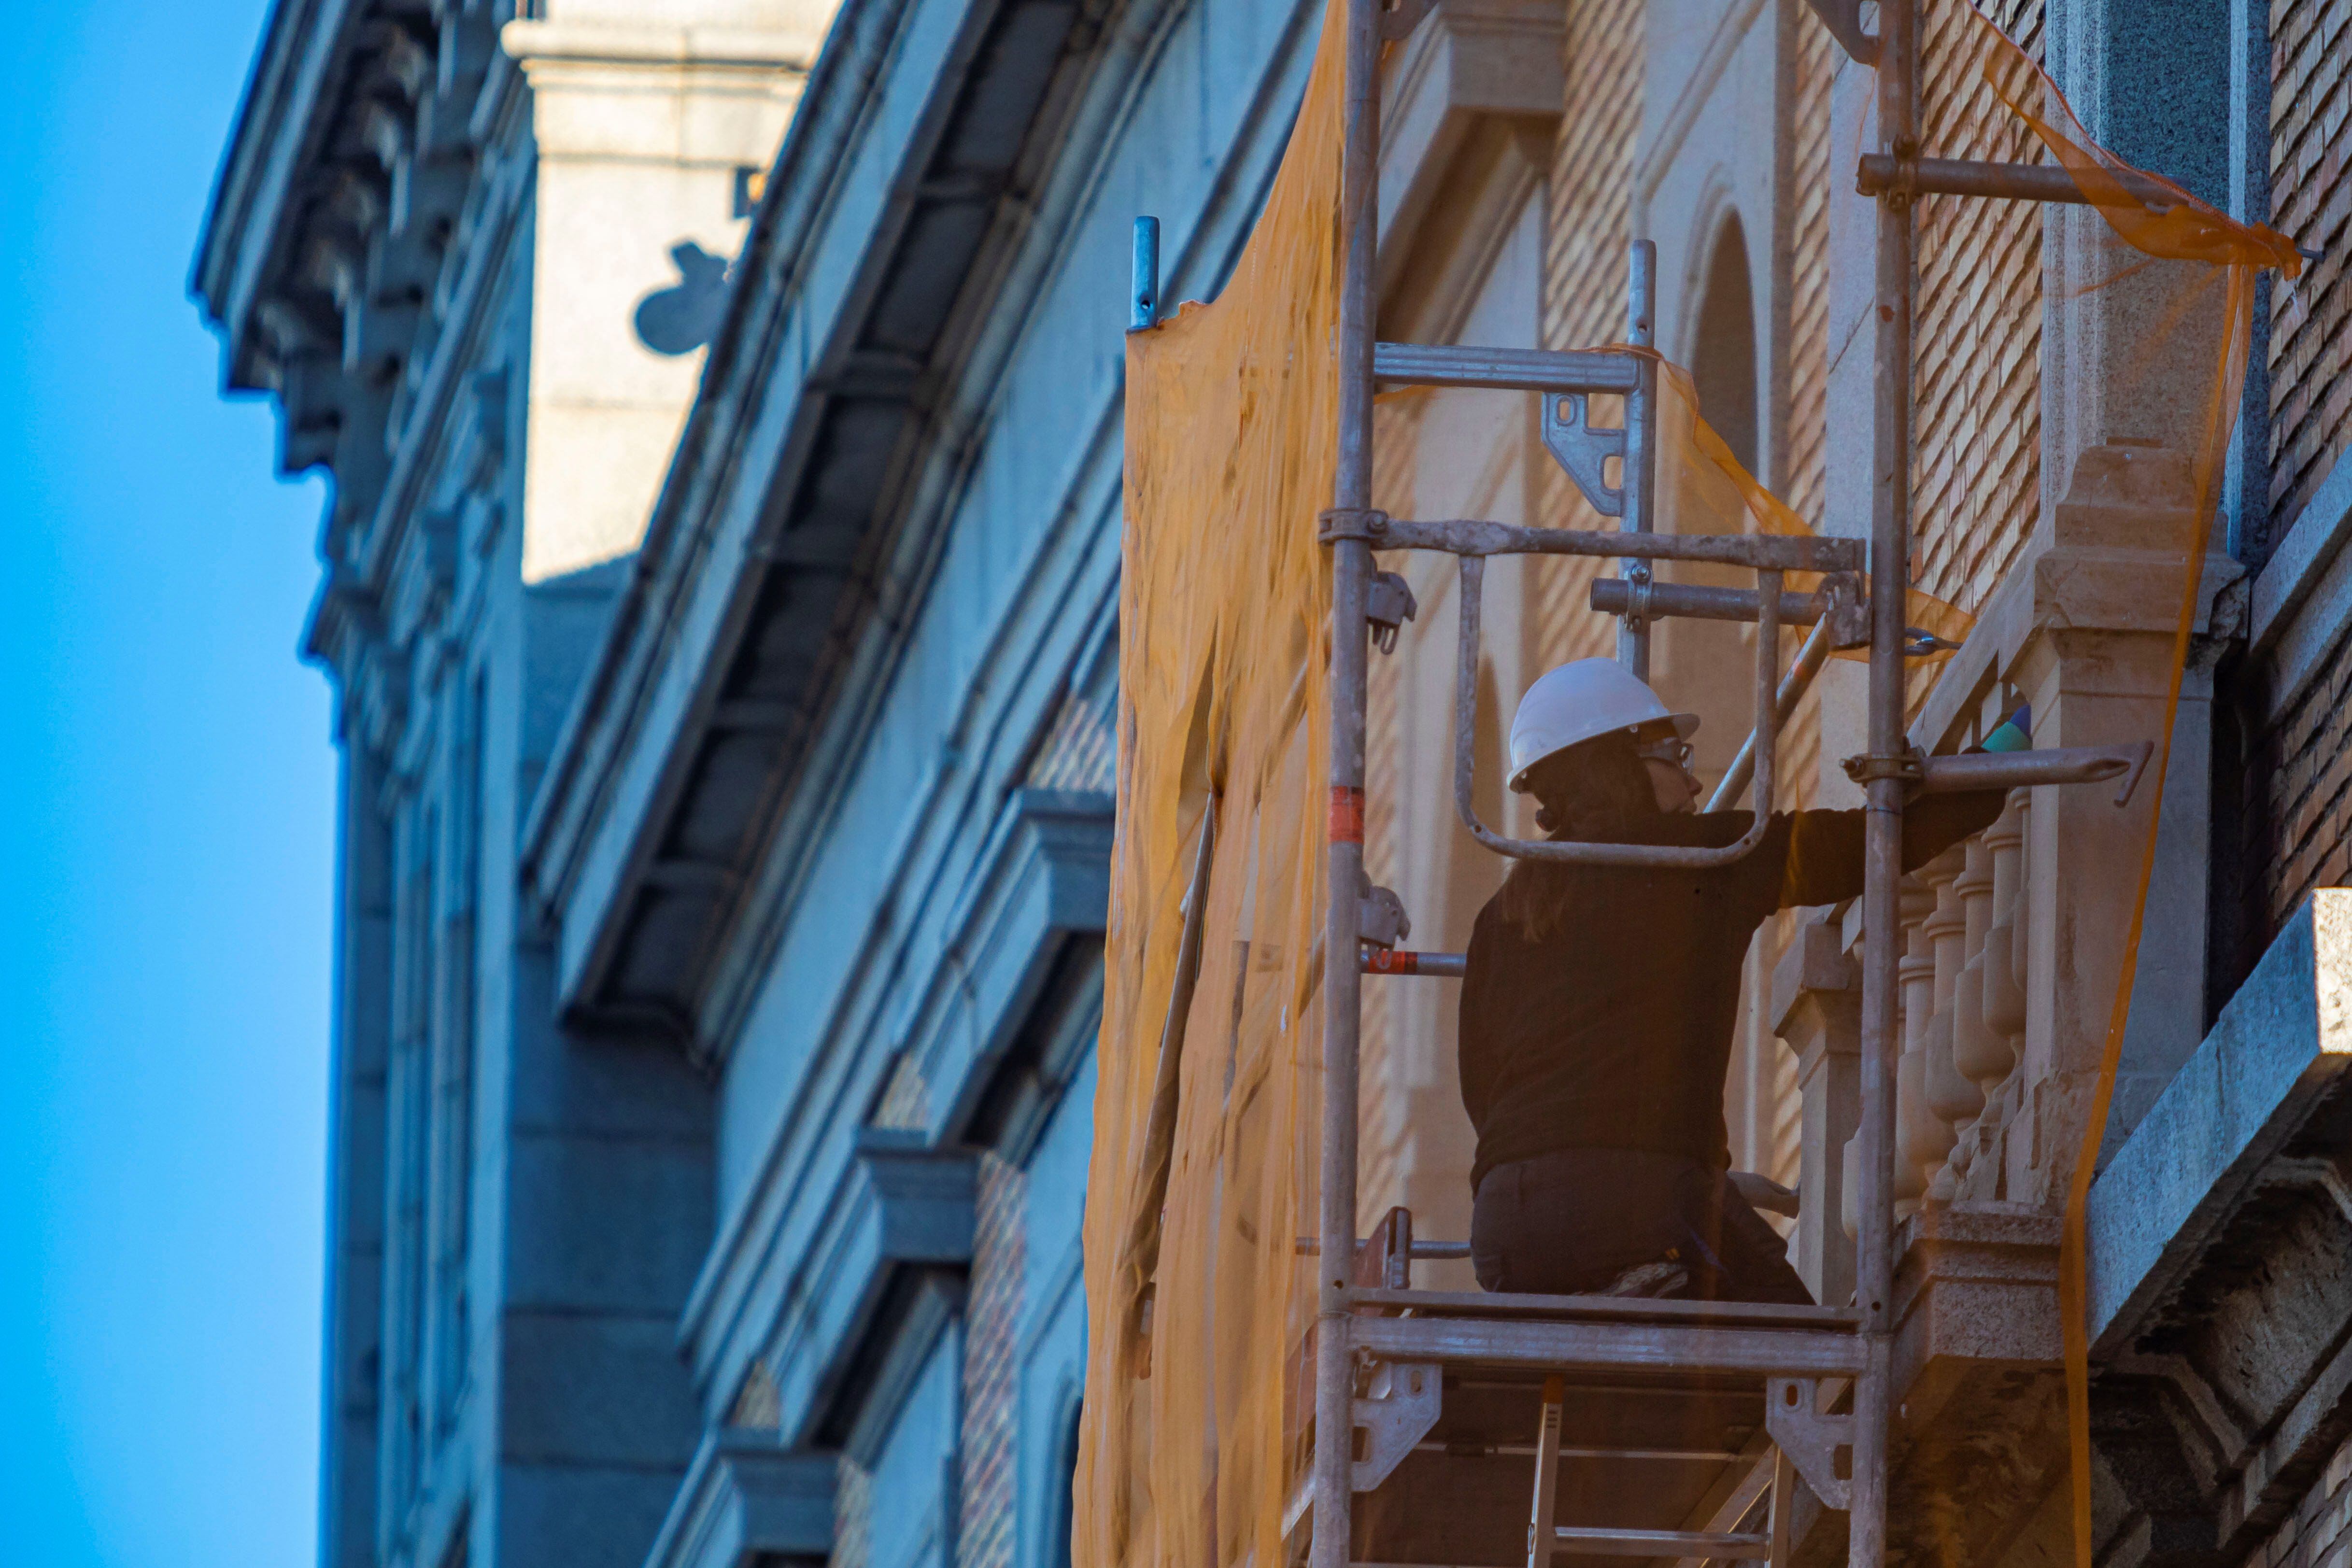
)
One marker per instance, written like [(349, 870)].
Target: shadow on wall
[(686, 315)]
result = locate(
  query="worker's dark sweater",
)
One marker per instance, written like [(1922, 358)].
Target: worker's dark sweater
[(1614, 1031)]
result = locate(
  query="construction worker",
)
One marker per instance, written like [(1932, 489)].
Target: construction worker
[(1599, 1002)]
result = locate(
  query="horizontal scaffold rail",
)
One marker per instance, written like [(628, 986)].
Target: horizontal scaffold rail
[(1762, 553), (1604, 1308), (1707, 1543), (1881, 172), (1503, 369), (1556, 1346), (1650, 600), (2030, 769)]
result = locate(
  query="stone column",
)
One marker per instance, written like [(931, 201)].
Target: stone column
[(1817, 1008)]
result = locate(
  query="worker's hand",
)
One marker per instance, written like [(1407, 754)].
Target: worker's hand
[(1764, 1193)]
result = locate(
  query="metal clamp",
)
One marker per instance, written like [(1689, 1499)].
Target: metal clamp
[(1570, 436), (1381, 919), (1640, 595), (1388, 605), (1793, 1415), (1910, 767), (1848, 614), (1339, 523)]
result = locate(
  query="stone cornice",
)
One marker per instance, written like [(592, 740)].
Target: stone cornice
[(534, 43), (300, 47)]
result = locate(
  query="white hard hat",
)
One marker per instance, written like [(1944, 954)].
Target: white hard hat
[(1579, 701)]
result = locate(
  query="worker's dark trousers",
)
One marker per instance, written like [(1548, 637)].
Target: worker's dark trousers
[(1570, 1223)]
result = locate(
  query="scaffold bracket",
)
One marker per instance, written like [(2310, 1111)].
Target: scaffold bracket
[(1584, 449), (1400, 1405), (1812, 1441), (1843, 19)]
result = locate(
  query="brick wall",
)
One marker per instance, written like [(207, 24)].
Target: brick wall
[(1802, 477), (1588, 225), (2282, 813), (853, 1516), (2319, 1535), (2311, 200), (992, 1350), (2303, 768), (1801, 473), (1976, 481)]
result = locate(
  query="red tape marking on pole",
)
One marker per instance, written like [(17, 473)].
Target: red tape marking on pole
[(1347, 823)]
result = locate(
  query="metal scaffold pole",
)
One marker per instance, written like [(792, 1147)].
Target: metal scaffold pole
[(1351, 568), (1890, 575), (1640, 456)]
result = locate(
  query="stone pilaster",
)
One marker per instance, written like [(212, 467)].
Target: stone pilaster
[(1817, 1008), (2091, 647), (647, 133)]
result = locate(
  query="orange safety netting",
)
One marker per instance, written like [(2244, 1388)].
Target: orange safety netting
[(1194, 1439), (1196, 1301), (2168, 284)]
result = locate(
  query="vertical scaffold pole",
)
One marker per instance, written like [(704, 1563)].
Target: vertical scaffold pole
[(1143, 291), (1638, 479), (1351, 568), (1890, 577)]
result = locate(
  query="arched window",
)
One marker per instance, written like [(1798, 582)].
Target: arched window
[(1723, 356)]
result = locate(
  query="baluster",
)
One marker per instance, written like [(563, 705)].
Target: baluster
[(1951, 1098), (1972, 1042), (1921, 1139), (2004, 947), (1981, 1054)]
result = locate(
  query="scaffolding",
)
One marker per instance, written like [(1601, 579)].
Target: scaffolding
[(1434, 1412), (1736, 1360)]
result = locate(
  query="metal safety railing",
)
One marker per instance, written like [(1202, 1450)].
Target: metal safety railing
[(1816, 1380)]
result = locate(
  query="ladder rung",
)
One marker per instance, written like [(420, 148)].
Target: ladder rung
[(1508, 370), (1662, 1543)]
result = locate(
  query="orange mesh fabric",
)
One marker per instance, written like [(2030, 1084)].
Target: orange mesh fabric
[(1196, 1395), (2175, 281)]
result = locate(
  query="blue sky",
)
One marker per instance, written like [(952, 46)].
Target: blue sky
[(166, 817)]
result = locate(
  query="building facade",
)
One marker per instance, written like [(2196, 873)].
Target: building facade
[(467, 253), (720, 591)]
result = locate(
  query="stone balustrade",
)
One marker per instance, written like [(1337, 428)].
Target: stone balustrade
[(2013, 942), (1966, 936)]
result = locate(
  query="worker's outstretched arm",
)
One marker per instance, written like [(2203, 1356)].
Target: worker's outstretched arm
[(1824, 858), (1934, 823)]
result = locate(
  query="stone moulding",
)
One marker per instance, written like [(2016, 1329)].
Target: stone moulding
[(1044, 879), (2275, 1055), (906, 1210), (749, 1498)]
